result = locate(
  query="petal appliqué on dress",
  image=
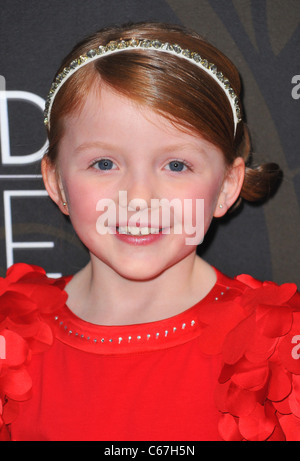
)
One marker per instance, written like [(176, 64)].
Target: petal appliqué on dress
[(27, 299), (258, 365)]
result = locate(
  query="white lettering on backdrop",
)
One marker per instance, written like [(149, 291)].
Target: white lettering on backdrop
[(7, 159)]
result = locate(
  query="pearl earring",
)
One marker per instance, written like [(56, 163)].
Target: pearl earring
[(220, 206)]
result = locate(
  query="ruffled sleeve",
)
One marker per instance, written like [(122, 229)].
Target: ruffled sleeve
[(258, 393), (27, 299)]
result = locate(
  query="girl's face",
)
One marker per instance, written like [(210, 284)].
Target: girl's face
[(121, 164)]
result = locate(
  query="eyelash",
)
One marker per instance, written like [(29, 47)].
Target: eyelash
[(94, 163), (184, 162)]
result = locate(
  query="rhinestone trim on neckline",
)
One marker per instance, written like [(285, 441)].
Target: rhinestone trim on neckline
[(120, 338), (155, 335)]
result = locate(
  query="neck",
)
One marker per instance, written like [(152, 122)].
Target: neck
[(99, 295)]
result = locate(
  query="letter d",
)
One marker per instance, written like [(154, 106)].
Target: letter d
[(7, 158)]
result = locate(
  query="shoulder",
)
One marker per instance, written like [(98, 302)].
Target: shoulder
[(258, 391), (261, 291), (27, 300), (260, 298), (27, 295), (29, 282)]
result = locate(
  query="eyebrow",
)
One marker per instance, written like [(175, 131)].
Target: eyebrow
[(173, 148), (89, 145), (189, 147)]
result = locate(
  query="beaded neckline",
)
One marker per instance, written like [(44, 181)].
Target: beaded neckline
[(137, 338)]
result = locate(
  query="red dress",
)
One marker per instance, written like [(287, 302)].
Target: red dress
[(225, 369)]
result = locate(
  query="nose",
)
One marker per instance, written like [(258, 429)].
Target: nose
[(141, 188), (138, 204)]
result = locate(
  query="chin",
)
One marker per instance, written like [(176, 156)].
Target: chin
[(139, 271), (139, 275)]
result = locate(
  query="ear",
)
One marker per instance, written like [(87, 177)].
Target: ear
[(53, 184), (231, 187)]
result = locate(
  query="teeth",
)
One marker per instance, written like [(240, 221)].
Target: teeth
[(133, 230)]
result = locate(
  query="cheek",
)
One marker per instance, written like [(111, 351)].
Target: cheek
[(82, 199), (201, 199)]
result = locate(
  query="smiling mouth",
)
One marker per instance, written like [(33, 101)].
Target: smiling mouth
[(138, 231)]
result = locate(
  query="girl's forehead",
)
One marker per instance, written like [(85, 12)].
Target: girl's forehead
[(132, 133), (109, 115)]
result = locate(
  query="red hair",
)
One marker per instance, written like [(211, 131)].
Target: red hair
[(171, 86)]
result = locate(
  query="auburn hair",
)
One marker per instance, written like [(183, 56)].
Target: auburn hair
[(173, 87)]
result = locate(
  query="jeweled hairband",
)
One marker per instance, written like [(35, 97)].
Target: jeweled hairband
[(132, 44)]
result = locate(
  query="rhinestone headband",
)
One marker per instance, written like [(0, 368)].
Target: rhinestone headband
[(132, 44)]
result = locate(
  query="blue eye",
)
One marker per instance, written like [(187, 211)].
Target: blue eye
[(104, 164), (176, 165)]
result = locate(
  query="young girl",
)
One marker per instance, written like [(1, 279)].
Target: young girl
[(148, 341)]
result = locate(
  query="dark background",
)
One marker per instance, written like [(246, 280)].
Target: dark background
[(262, 37)]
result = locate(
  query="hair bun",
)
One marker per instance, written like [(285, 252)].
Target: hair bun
[(261, 182)]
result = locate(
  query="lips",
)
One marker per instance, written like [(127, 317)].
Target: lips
[(139, 235)]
